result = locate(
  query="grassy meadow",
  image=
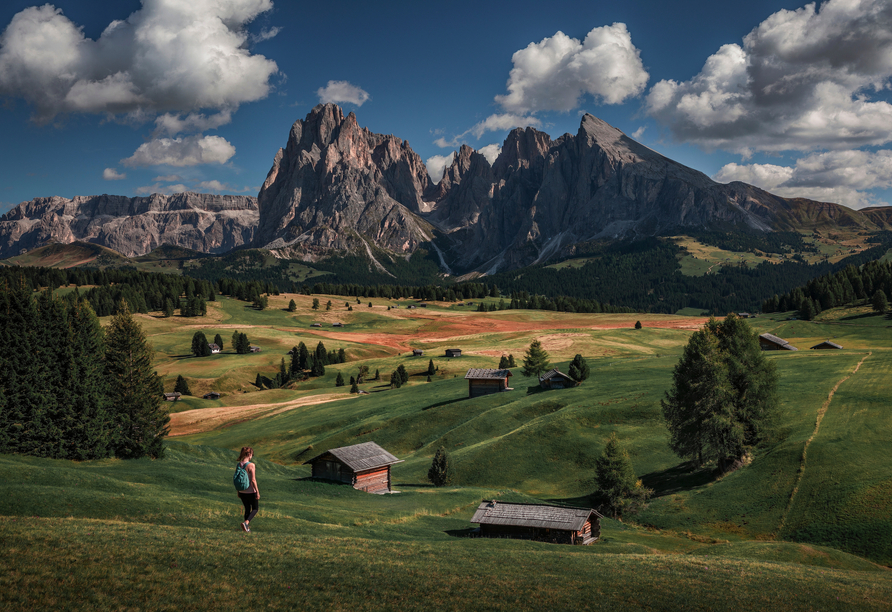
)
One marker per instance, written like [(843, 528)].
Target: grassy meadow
[(804, 526)]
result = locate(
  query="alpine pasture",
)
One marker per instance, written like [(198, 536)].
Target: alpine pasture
[(804, 526)]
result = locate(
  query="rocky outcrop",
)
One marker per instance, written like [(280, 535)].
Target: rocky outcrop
[(338, 187), (132, 226)]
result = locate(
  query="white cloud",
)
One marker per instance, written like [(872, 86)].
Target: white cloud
[(188, 151), (338, 92), (170, 124), (162, 189), (265, 34), (553, 74), (802, 80), (168, 178), (843, 177), (493, 123), (637, 134), (490, 152), (165, 57), (111, 174), (436, 166), (217, 186)]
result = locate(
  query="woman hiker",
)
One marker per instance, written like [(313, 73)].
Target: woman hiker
[(250, 494)]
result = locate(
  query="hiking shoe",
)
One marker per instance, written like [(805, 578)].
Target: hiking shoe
[(245, 527)]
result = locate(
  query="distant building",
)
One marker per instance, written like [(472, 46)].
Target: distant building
[(556, 379), (746, 315), (253, 349), (417, 352), (483, 381), (316, 325), (366, 466), (770, 342), (423, 304), (826, 344), (213, 395), (215, 348), (338, 324), (453, 352), (411, 306), (539, 522), (172, 397)]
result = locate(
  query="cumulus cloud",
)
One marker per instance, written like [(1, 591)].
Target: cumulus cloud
[(490, 152), (168, 178), (162, 189), (843, 177), (436, 166), (187, 151), (553, 74), (265, 34), (338, 92), (169, 124), (493, 123), (802, 80), (166, 57), (637, 134), (218, 187), (111, 174)]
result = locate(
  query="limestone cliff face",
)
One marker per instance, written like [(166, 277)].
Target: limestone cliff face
[(132, 226), (338, 187)]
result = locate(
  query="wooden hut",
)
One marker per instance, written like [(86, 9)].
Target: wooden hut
[(316, 325), (539, 522), (215, 348), (453, 352), (555, 379), (366, 466), (171, 397), (338, 324), (770, 342), (213, 395), (482, 381), (826, 344), (417, 352), (254, 349)]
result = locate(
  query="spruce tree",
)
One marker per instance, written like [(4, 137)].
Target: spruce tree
[(303, 357), (317, 369), (880, 302), (315, 303), (395, 381), (578, 368), (88, 436), (234, 342), (430, 367), (535, 360), (377, 375), (637, 324), (616, 480), (181, 386), (200, 346), (321, 355), (354, 388), (168, 308), (258, 382), (438, 473), (292, 306), (342, 356), (511, 362), (402, 373), (134, 390), (503, 363), (339, 381), (242, 344), (218, 340)]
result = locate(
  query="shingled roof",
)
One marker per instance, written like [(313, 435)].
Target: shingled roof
[(784, 344), (484, 373), (359, 457), (555, 373), (532, 515)]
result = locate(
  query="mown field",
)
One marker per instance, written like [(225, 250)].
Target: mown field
[(804, 526)]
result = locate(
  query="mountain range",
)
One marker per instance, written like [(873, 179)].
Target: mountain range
[(338, 188)]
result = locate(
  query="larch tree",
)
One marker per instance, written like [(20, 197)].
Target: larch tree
[(438, 473), (535, 360), (616, 479), (578, 368), (181, 386)]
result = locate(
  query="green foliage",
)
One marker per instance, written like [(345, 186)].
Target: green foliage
[(617, 483), (339, 381), (880, 302), (354, 388), (511, 362), (200, 346), (535, 360), (396, 381), (430, 367), (402, 373), (439, 473), (503, 362), (315, 303), (181, 386), (342, 355), (168, 308), (723, 395), (135, 390), (241, 343), (578, 368), (292, 305), (637, 324), (218, 340)]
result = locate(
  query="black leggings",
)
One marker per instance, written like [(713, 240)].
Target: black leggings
[(252, 505)]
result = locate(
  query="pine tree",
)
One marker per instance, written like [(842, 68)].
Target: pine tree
[(243, 345), (616, 480), (578, 368), (511, 362), (317, 369), (88, 435), (200, 347), (342, 356), (168, 308), (637, 324), (292, 306), (181, 386), (328, 305), (134, 390), (377, 375), (430, 367), (283, 373), (503, 363), (535, 360), (339, 381), (258, 382), (402, 373), (315, 303), (354, 388), (395, 381), (321, 355), (303, 357), (235, 337), (218, 340), (438, 473), (879, 301)]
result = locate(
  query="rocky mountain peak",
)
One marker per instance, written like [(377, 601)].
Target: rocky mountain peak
[(523, 148)]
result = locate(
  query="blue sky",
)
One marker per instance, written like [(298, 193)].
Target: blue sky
[(139, 96)]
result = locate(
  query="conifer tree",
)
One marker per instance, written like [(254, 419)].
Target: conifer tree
[(283, 372), (303, 357), (168, 308), (430, 367), (535, 360), (181, 386), (402, 373), (328, 305), (377, 375), (134, 390), (200, 346), (354, 388), (235, 337), (317, 369), (321, 355), (395, 381), (511, 362), (438, 473), (243, 345), (578, 368), (218, 340), (503, 363), (258, 382), (616, 480), (315, 303), (637, 324), (87, 437), (880, 302), (342, 356), (339, 381), (292, 306)]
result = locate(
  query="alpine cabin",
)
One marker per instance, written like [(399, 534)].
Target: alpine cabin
[(826, 344), (365, 466), (453, 352), (555, 379), (539, 522), (770, 342), (482, 381)]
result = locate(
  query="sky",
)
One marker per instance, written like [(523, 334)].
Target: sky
[(133, 97)]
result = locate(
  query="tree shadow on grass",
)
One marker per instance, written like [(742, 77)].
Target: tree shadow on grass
[(444, 403), (469, 532), (862, 316), (533, 389), (682, 477)]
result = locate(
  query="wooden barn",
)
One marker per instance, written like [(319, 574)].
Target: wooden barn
[(253, 349), (366, 466), (555, 379), (171, 397), (215, 348), (539, 522), (770, 342), (453, 352), (482, 381), (826, 344), (213, 395), (417, 352)]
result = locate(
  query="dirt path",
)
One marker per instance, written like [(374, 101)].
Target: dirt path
[(821, 412), (206, 419)]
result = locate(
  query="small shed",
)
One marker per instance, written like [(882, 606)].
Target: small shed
[(417, 352), (453, 352), (555, 379), (539, 522), (411, 306), (172, 397), (366, 466), (482, 381), (423, 305), (338, 324), (826, 344), (253, 349), (213, 395), (215, 348), (316, 325), (770, 342)]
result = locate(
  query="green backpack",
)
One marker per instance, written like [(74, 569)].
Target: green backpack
[(240, 479)]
